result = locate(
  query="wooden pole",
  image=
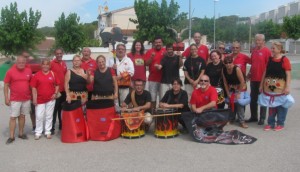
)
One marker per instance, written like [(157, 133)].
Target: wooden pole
[(153, 116)]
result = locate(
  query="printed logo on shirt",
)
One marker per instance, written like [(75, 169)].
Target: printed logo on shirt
[(206, 97), (139, 62), (77, 120), (201, 51), (50, 78), (91, 65), (260, 53)]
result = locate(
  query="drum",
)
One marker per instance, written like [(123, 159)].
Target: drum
[(166, 126), (221, 97), (133, 127), (99, 115)]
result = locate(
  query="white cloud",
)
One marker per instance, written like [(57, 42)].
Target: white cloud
[(50, 9)]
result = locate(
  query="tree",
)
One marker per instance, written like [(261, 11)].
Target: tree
[(270, 29), (18, 31), (69, 33), (156, 20), (291, 27)]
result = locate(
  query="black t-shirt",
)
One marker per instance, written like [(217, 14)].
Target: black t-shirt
[(180, 98), (141, 100), (77, 82), (214, 72), (170, 69), (193, 66)]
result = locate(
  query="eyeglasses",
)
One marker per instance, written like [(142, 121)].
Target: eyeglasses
[(222, 48), (227, 62), (202, 80)]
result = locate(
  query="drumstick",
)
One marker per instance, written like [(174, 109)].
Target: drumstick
[(168, 114)]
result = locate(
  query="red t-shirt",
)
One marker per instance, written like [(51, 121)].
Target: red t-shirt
[(91, 65), (241, 61), (45, 86), (60, 69), (139, 66), (200, 98), (286, 64), (18, 81), (259, 61), (203, 52), (154, 74)]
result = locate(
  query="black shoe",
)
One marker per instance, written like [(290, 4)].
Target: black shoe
[(261, 122), (52, 132), (24, 137), (10, 140), (251, 120)]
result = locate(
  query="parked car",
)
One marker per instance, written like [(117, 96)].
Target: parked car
[(228, 50)]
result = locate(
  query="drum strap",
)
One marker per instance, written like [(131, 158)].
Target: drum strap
[(133, 101)]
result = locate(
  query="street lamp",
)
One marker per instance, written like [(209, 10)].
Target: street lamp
[(190, 22), (215, 1)]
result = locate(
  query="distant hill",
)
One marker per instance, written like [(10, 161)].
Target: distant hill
[(47, 31)]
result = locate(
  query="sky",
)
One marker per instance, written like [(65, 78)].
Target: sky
[(88, 9)]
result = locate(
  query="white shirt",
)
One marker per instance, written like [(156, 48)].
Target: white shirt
[(125, 65)]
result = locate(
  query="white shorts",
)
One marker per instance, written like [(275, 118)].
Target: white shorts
[(164, 88), (17, 108), (154, 88)]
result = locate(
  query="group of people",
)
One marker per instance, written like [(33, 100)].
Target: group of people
[(210, 78)]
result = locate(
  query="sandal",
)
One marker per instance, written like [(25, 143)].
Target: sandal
[(24, 137), (10, 140)]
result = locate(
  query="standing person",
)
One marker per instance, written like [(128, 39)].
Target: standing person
[(221, 48), (105, 81), (214, 71), (234, 84), (76, 82), (137, 56), (153, 58), (275, 88), (239, 59), (259, 59), (17, 96), (202, 50), (125, 70), (169, 65), (194, 68), (44, 86), (176, 98), (205, 97), (59, 67), (88, 64)]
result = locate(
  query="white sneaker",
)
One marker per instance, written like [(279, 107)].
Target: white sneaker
[(37, 137), (48, 136)]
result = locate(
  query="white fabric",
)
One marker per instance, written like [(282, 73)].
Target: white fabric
[(44, 111), (284, 100), (123, 92), (154, 88), (189, 89), (163, 89), (17, 108), (125, 65)]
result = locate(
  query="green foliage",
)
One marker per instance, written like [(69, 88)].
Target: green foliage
[(47, 31), (69, 33), (269, 29), (291, 26), (156, 20), (18, 31)]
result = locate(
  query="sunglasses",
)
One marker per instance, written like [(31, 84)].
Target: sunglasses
[(202, 80), (227, 62), (222, 48), (235, 47)]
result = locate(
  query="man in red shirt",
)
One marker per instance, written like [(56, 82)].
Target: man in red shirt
[(203, 51), (205, 97), (259, 60), (88, 64), (153, 58), (16, 82), (239, 59), (59, 67)]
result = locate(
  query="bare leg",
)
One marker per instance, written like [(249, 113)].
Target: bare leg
[(21, 121), (12, 126)]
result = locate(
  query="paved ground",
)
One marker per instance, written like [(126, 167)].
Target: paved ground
[(273, 151)]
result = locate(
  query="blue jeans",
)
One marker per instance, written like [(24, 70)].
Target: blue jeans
[(278, 111)]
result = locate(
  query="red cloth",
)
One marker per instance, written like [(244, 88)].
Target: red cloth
[(241, 61), (286, 64), (45, 86), (259, 61), (18, 81), (154, 74), (60, 69), (203, 98), (91, 65), (203, 52), (139, 66)]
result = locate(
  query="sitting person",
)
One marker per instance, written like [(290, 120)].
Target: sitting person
[(205, 97), (176, 98), (139, 99)]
